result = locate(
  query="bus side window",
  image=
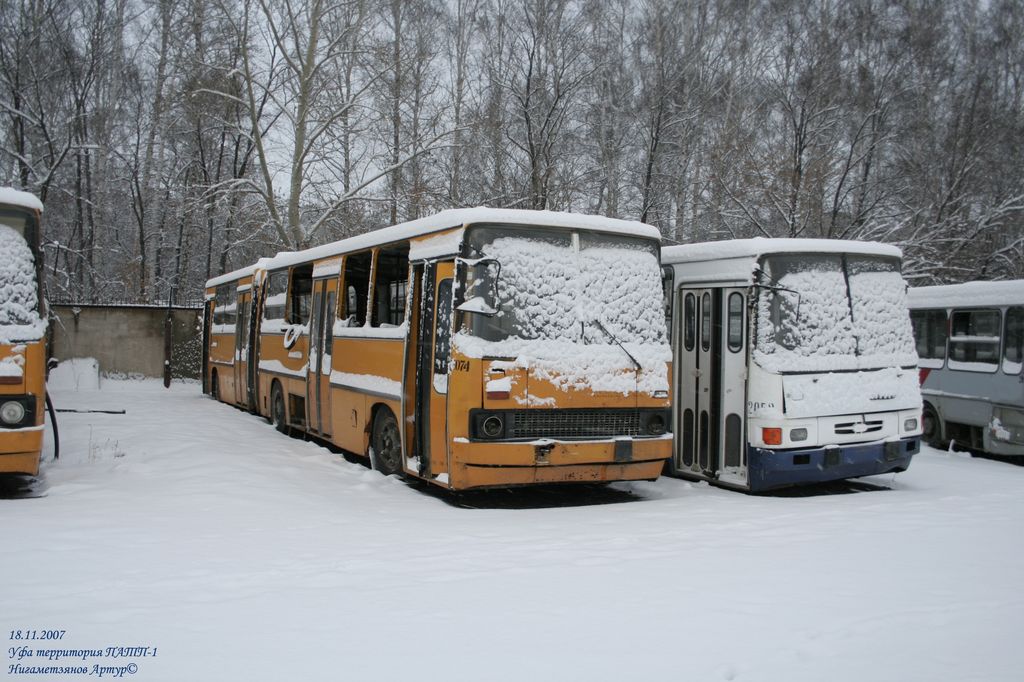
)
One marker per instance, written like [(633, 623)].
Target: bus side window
[(929, 336), (974, 341), (225, 305), (219, 301), (277, 291), (389, 285), (357, 289), (300, 301), (689, 321), (1013, 351)]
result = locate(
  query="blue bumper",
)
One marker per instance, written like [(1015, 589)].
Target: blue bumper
[(770, 469)]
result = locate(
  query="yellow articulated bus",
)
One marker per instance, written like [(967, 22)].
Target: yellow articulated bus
[(22, 333), (474, 348)]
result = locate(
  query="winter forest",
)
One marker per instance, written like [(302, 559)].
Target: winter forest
[(173, 140)]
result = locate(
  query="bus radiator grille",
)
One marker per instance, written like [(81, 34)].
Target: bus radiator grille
[(595, 423), (848, 428)]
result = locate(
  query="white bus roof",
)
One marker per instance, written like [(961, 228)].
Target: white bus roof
[(238, 274), (759, 246), (459, 217), (967, 295), (15, 197)]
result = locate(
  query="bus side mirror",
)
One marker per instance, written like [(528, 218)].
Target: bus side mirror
[(477, 305), (486, 274)]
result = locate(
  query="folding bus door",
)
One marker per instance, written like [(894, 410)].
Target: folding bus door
[(707, 384), (432, 339), (241, 366), (321, 340), (207, 322), (688, 381), (732, 405), (710, 383)]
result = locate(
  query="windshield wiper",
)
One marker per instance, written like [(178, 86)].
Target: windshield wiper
[(612, 337), (777, 286)]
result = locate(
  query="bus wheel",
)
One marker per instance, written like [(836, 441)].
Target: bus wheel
[(386, 443), (277, 413), (931, 427), (214, 388)]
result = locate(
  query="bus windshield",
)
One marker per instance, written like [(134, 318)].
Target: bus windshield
[(559, 285), (19, 291), (832, 312)]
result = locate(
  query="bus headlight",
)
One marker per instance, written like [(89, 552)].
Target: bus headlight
[(655, 424), (797, 435), (1008, 425), (493, 426), (12, 412), (910, 424)]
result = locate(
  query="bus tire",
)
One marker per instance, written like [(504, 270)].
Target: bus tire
[(214, 388), (931, 427), (386, 443), (278, 415)]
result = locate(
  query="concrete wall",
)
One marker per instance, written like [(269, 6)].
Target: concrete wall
[(128, 340)]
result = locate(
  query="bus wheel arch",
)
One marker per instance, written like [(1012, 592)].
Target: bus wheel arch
[(278, 410), (385, 441), (931, 426)]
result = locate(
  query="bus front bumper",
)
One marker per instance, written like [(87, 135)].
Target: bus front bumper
[(485, 465), (769, 469), (19, 450)]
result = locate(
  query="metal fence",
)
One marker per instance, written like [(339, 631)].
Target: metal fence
[(183, 302)]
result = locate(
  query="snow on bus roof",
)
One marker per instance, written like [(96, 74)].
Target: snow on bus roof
[(741, 248), (15, 197), (968, 294), (238, 274), (459, 217)]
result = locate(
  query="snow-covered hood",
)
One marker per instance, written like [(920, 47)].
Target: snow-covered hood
[(821, 395)]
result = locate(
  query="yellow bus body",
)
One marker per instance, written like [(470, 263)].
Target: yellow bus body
[(21, 447), (371, 370)]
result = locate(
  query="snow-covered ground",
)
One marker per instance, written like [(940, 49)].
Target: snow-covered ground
[(241, 554)]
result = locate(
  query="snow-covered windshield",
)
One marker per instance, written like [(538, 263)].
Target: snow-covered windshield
[(820, 313), (19, 295), (557, 285)]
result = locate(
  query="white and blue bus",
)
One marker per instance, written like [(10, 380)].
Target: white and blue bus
[(794, 362), (970, 338)]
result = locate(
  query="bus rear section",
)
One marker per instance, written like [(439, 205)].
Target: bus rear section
[(970, 338), (794, 362), (229, 338), (22, 334)]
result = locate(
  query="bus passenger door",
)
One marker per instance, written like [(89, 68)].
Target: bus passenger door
[(321, 339), (433, 340), (709, 334), (241, 366), (252, 378), (207, 322), (687, 375), (733, 382), (699, 381)]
